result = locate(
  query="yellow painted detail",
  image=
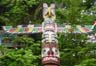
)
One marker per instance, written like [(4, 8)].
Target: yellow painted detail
[(17, 29), (30, 27), (49, 11)]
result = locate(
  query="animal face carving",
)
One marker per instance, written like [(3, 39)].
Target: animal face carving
[(50, 52), (48, 12), (50, 55)]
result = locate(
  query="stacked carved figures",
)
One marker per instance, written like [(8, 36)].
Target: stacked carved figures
[(50, 51)]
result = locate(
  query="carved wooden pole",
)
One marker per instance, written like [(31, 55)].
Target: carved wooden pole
[(50, 49)]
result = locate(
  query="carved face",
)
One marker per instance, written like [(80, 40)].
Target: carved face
[(49, 27), (50, 55), (48, 11), (50, 52)]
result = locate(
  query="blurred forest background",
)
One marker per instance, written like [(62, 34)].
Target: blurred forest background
[(74, 50)]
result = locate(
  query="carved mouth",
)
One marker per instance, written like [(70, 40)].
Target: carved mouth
[(50, 60)]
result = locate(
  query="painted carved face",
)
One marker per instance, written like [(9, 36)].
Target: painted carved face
[(47, 52), (50, 54), (48, 11), (49, 27)]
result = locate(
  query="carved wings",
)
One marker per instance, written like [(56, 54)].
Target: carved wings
[(76, 29), (20, 29), (38, 29)]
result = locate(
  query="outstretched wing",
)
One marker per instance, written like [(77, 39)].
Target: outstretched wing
[(20, 29), (66, 29), (84, 29), (76, 29)]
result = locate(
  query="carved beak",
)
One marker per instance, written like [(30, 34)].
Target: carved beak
[(49, 11)]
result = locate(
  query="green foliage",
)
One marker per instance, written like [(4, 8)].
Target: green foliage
[(88, 62), (70, 48), (16, 10), (18, 58), (28, 55), (74, 50), (24, 41), (70, 13)]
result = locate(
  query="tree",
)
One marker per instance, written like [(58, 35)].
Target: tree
[(74, 50), (24, 56), (88, 62), (13, 12)]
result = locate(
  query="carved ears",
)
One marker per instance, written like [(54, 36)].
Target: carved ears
[(45, 5), (46, 10), (52, 6)]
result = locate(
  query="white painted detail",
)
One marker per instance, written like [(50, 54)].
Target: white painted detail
[(50, 58), (45, 52), (54, 50), (49, 36), (49, 24)]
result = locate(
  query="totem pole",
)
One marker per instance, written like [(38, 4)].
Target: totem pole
[(50, 55), (50, 49)]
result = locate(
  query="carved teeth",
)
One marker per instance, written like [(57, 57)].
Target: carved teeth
[(50, 58)]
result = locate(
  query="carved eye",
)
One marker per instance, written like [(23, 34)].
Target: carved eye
[(56, 50), (44, 50)]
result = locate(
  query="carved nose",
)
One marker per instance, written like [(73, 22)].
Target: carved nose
[(50, 53), (49, 14)]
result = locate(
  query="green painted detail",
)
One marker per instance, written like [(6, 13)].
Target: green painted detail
[(94, 29), (21, 30), (76, 30), (64, 30), (35, 30), (7, 27), (88, 26)]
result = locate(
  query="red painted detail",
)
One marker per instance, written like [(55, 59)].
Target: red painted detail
[(59, 30), (39, 29), (11, 30), (49, 27), (26, 29), (50, 53), (94, 23), (86, 29)]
